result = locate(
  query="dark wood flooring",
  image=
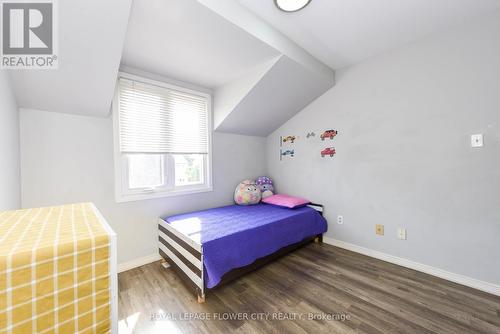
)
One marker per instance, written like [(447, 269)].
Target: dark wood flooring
[(345, 292)]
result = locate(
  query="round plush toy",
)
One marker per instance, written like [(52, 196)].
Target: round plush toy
[(265, 185), (247, 193)]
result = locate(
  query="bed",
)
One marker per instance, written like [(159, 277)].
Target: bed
[(211, 247)]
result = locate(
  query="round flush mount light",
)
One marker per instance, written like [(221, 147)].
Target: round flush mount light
[(291, 5)]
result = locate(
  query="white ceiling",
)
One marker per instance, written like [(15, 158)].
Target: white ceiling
[(285, 89), (220, 43), (345, 32), (184, 40), (268, 95), (91, 35)]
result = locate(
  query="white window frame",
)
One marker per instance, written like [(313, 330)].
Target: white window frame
[(122, 192)]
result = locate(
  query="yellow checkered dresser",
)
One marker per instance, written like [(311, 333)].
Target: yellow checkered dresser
[(57, 271)]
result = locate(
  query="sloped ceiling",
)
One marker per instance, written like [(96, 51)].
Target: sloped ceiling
[(222, 46), (183, 40), (254, 58), (344, 32), (285, 89), (230, 95), (218, 45), (91, 36), (263, 99)]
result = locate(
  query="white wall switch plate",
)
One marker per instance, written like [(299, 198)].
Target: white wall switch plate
[(477, 140), (401, 234), (340, 219)]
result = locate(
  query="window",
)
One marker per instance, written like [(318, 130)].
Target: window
[(162, 139)]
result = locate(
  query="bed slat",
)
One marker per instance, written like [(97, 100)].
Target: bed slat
[(179, 235), (196, 261), (192, 276), (188, 264)]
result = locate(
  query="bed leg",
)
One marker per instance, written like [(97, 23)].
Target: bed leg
[(164, 263), (318, 239), (201, 298)]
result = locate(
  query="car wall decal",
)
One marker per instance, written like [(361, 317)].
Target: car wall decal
[(286, 153), (329, 134), (288, 142), (329, 151)]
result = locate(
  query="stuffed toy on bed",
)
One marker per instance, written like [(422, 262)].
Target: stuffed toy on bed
[(247, 193), (265, 185)]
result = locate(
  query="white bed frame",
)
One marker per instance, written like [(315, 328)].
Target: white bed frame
[(186, 255)]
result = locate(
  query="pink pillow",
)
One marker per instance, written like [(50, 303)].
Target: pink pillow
[(286, 201)]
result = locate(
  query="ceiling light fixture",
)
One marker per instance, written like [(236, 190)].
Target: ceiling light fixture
[(291, 5)]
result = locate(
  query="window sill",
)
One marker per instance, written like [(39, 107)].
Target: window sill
[(120, 198)]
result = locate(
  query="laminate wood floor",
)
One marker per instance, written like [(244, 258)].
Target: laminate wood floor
[(344, 292)]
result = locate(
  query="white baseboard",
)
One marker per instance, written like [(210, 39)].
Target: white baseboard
[(457, 278), (138, 262)]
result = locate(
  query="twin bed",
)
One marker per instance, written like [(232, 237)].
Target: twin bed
[(211, 247)]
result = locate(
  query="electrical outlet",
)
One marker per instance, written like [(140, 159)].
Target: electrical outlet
[(477, 140), (340, 219), (401, 233), (379, 229)]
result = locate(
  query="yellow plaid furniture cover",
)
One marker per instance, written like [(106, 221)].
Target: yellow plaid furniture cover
[(54, 271)]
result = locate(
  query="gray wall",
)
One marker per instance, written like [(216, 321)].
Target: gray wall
[(10, 183), (68, 158), (404, 157)]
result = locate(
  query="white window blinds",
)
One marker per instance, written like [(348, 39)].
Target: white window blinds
[(154, 119)]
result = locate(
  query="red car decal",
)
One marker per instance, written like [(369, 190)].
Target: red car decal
[(328, 151), (329, 134)]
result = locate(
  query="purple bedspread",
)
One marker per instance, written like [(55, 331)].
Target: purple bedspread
[(235, 236)]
